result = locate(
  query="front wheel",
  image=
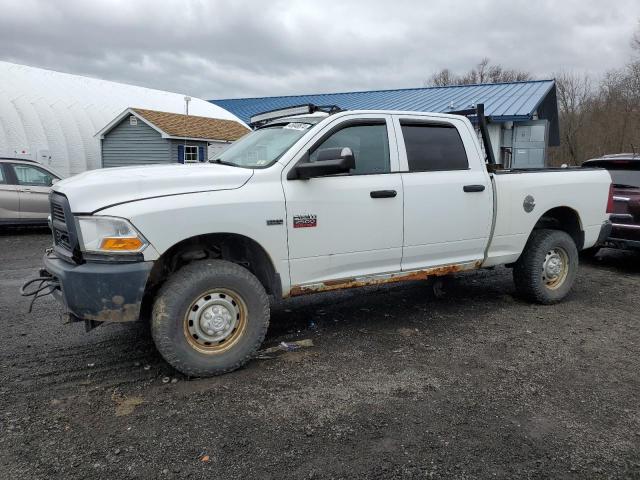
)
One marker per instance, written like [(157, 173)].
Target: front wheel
[(547, 268), (210, 318)]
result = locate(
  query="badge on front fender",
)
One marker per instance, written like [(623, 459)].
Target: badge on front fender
[(305, 221)]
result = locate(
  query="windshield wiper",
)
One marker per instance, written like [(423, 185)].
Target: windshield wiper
[(222, 162)]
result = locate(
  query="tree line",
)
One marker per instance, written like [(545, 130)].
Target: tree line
[(597, 117)]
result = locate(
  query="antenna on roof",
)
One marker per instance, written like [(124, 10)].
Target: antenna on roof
[(187, 99), (186, 105)]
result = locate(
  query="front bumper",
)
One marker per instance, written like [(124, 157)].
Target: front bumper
[(100, 292)]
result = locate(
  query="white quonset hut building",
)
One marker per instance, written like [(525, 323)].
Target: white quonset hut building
[(53, 117)]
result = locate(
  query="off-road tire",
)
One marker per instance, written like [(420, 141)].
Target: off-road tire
[(527, 271), (174, 300)]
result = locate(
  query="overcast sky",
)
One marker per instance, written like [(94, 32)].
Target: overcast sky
[(220, 49)]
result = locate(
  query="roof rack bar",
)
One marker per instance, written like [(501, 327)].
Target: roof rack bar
[(306, 108), (483, 121)]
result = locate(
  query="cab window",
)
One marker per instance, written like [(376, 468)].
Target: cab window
[(433, 147), (369, 144), (32, 176)]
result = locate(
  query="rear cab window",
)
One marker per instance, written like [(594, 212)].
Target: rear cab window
[(433, 147), (625, 178), (625, 172)]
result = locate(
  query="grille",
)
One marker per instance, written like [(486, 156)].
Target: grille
[(60, 228), (57, 213), (61, 238)]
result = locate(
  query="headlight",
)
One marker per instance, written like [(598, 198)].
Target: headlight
[(109, 235)]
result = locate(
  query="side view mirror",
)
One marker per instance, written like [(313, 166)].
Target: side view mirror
[(54, 181), (330, 161)]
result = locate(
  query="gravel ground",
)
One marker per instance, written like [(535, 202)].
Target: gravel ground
[(401, 383)]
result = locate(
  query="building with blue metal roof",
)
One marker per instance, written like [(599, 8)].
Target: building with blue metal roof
[(523, 115)]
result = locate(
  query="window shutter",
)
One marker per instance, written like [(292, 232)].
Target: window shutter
[(181, 153), (201, 154)]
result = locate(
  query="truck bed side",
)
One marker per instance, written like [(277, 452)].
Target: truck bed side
[(582, 191)]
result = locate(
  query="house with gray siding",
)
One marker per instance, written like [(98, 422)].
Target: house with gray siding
[(143, 137)]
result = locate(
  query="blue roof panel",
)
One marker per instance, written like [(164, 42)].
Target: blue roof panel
[(503, 101)]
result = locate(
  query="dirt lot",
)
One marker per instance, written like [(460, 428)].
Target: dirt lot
[(400, 384)]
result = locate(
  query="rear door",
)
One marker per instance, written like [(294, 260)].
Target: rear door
[(9, 202), (34, 185), (448, 199)]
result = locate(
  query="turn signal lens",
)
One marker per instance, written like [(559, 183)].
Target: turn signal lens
[(610, 205), (120, 244), (103, 234)]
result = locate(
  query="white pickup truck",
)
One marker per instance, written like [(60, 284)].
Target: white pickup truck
[(308, 202)]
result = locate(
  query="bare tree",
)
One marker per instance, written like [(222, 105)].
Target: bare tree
[(573, 91), (620, 96), (595, 118), (443, 78), (483, 72)]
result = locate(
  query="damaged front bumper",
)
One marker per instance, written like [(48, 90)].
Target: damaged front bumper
[(99, 292)]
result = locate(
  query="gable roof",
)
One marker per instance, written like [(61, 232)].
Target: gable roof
[(512, 101), (179, 126)]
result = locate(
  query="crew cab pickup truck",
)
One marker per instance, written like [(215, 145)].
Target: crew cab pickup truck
[(310, 201)]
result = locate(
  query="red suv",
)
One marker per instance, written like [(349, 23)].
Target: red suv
[(624, 201)]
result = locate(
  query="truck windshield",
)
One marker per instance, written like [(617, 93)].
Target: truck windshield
[(261, 148)]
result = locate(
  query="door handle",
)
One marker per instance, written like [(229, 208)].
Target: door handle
[(473, 188), (383, 194), (27, 190)]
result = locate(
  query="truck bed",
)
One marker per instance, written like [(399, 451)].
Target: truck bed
[(583, 191)]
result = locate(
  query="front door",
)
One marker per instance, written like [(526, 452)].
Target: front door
[(348, 225), (34, 185)]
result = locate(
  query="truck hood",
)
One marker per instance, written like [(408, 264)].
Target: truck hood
[(97, 189)]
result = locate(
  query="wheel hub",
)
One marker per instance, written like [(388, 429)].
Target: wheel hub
[(213, 320), (216, 319), (555, 267)]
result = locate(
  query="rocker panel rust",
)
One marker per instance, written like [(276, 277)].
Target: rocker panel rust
[(412, 275)]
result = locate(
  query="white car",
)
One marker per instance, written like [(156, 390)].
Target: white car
[(308, 203)]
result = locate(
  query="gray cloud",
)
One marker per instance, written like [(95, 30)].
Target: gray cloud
[(216, 49)]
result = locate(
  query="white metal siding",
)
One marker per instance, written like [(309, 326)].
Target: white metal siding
[(215, 149), (47, 111)]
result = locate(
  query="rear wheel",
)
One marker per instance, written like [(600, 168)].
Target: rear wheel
[(547, 268), (210, 318)]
